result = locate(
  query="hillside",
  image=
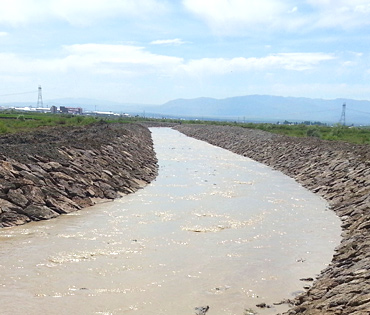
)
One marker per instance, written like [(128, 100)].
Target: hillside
[(249, 108), (271, 108)]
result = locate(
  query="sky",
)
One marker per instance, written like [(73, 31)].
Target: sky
[(154, 51)]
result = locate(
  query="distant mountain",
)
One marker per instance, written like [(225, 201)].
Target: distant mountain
[(254, 108), (269, 108)]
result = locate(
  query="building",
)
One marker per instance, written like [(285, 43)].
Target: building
[(53, 109), (70, 110)]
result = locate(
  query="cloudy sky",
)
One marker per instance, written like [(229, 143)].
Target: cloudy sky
[(152, 51)]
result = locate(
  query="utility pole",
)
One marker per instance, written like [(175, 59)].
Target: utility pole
[(342, 119), (39, 99)]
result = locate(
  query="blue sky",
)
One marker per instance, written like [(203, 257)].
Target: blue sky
[(153, 51)]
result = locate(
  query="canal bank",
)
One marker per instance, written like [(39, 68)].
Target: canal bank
[(338, 172), (53, 171)]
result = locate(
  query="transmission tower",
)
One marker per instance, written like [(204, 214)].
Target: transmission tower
[(342, 119), (39, 99)]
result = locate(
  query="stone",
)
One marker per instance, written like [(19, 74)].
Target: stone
[(35, 179), (17, 197), (83, 202), (52, 190), (360, 300), (108, 191), (20, 182), (5, 173), (38, 171), (8, 219), (19, 166), (45, 166), (6, 185), (6, 166), (108, 173), (62, 204), (39, 212), (55, 166), (61, 176), (201, 310), (76, 190), (34, 194), (7, 206)]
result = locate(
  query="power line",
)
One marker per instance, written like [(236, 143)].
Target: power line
[(359, 111), (18, 93)]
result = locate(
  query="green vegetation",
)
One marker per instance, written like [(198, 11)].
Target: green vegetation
[(358, 135), (11, 122)]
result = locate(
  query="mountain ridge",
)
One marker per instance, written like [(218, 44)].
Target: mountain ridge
[(270, 107), (254, 108)]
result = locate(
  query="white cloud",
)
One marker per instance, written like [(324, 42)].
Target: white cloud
[(87, 11), (98, 59), (176, 42), (286, 61), (2, 34), (95, 59), (236, 10), (319, 90), (121, 58), (229, 17), (76, 12), (15, 11), (341, 13)]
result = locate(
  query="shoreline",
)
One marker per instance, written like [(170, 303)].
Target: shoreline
[(338, 172), (53, 171)]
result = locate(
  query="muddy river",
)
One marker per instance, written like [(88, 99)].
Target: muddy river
[(213, 229)]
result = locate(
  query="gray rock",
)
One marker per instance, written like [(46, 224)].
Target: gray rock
[(34, 194), (17, 197), (39, 212), (201, 310), (8, 219), (7, 206)]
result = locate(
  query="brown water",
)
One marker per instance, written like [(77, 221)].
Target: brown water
[(214, 229)]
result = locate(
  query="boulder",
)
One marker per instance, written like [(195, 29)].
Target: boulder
[(17, 197), (34, 194), (8, 219), (62, 204), (39, 212), (7, 206)]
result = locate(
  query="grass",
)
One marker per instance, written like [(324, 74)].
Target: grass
[(358, 135), (12, 122)]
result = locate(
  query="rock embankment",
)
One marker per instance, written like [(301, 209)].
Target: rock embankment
[(340, 173), (53, 171)]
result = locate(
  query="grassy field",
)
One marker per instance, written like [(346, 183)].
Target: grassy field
[(11, 122), (337, 132), (358, 135)]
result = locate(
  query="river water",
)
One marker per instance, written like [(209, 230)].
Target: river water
[(213, 229)]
